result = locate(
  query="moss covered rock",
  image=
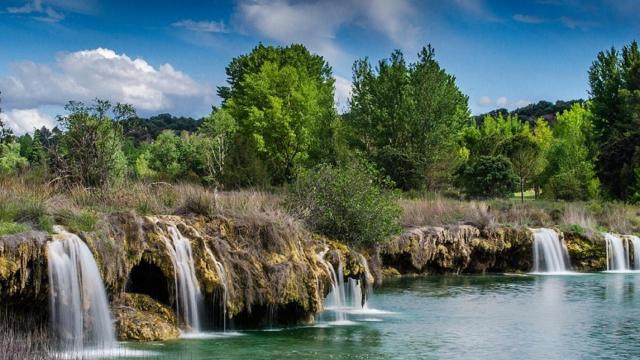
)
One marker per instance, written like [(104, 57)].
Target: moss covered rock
[(138, 317)]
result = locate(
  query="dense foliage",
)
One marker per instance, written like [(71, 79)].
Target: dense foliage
[(488, 177), (408, 119), (615, 91), (282, 101), (347, 202)]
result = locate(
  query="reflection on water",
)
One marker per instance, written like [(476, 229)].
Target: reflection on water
[(452, 317)]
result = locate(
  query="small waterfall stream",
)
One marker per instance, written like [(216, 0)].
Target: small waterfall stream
[(617, 256), (225, 290), (80, 315), (635, 242), (549, 253), (188, 295), (335, 299)]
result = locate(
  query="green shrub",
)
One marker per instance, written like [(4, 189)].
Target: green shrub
[(45, 223), (488, 177), (346, 203), (9, 227), (83, 221)]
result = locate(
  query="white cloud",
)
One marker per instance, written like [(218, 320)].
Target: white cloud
[(40, 11), (25, 120), (485, 101), (316, 23), (102, 73), (528, 19), (342, 94), (202, 26), (502, 101), (477, 8)]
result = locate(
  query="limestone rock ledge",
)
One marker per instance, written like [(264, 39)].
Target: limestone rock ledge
[(459, 249), (141, 318)]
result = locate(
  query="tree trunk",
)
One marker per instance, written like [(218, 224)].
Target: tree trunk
[(522, 190)]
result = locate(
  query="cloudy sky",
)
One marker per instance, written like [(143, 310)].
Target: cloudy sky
[(169, 56)]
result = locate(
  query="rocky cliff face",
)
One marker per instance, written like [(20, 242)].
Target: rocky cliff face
[(251, 272), (468, 249), (457, 249)]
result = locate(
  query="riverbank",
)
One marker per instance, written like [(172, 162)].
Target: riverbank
[(242, 260)]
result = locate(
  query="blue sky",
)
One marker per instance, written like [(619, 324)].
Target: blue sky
[(168, 56)]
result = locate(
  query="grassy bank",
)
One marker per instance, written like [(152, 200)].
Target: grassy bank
[(30, 204)]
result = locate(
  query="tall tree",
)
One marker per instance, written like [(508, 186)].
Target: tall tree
[(570, 173), (614, 78), (215, 139), (6, 135), (408, 118), (282, 100), (89, 152)]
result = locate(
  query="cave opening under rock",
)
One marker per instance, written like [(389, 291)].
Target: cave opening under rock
[(146, 278)]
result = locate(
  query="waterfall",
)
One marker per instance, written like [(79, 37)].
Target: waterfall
[(635, 241), (336, 298), (549, 253), (355, 295), (222, 274), (80, 315), (616, 254), (188, 295)]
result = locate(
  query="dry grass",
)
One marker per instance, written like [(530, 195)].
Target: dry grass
[(39, 205), (23, 337), (592, 217)]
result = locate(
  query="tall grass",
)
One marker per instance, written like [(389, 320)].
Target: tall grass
[(591, 216)]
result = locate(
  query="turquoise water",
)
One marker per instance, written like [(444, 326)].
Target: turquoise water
[(593, 316)]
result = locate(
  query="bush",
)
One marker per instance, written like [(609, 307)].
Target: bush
[(346, 203), (8, 228), (488, 177)]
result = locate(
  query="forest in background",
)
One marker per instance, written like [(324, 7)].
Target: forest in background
[(408, 131)]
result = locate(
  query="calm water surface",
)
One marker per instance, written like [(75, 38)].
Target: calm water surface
[(593, 316)]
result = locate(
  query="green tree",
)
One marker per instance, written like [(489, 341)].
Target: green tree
[(347, 202), (89, 152), (38, 154), (570, 173), (526, 157), (282, 100), (492, 134), (408, 118), (10, 159), (614, 78), (215, 136), (164, 156), (6, 134), (488, 177)]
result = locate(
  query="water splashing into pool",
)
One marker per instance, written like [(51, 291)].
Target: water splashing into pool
[(550, 256), (616, 254), (80, 316), (188, 295)]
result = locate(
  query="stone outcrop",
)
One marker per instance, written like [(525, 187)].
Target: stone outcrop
[(139, 317), (459, 249), (270, 270)]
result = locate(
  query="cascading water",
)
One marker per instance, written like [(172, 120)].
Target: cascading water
[(223, 279), (635, 242), (188, 295), (80, 315), (336, 298), (549, 253), (355, 301), (616, 255)]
